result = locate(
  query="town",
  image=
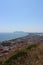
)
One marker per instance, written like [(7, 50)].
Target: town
[(8, 46)]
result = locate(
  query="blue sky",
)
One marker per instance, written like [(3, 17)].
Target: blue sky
[(21, 15)]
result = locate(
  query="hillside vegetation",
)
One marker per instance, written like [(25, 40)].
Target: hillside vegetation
[(27, 55)]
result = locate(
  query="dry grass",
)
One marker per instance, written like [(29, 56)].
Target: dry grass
[(25, 56)]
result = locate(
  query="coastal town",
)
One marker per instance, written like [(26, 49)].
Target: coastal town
[(8, 46)]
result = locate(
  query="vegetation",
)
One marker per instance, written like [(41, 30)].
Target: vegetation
[(27, 57), (19, 54), (32, 46)]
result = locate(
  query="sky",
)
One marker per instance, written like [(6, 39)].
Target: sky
[(21, 15)]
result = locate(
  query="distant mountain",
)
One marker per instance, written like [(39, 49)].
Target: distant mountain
[(20, 33), (8, 36)]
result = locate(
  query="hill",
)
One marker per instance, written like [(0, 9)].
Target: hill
[(27, 55), (26, 50)]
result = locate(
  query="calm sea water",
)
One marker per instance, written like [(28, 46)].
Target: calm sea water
[(8, 36)]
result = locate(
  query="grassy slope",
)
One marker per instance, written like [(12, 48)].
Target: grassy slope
[(27, 55)]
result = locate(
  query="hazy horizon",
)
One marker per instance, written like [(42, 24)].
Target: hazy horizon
[(21, 31), (21, 15)]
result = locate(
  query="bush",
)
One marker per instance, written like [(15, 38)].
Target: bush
[(19, 54), (32, 46)]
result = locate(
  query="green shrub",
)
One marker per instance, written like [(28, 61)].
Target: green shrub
[(19, 54), (32, 46)]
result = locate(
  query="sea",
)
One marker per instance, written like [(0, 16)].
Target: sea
[(9, 36)]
